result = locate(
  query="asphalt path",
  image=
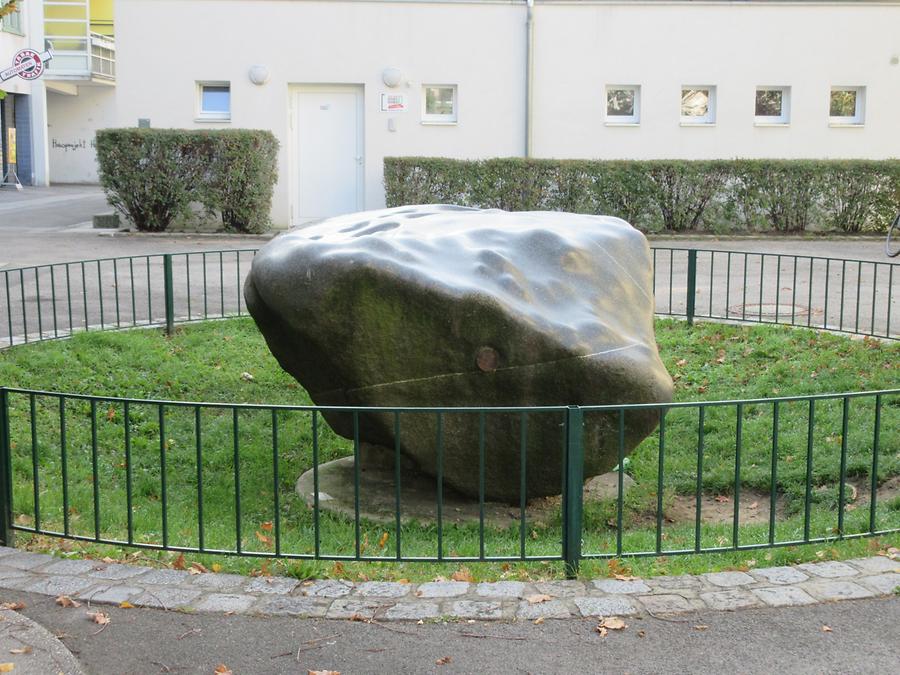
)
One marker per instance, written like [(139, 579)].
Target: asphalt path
[(859, 636)]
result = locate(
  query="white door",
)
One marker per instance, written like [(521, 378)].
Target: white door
[(328, 133)]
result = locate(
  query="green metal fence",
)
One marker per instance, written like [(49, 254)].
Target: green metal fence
[(219, 478)]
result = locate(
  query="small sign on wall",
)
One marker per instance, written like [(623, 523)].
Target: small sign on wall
[(393, 103), (11, 145)]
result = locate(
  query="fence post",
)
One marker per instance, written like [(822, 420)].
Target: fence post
[(6, 533), (574, 484), (170, 293), (691, 285)]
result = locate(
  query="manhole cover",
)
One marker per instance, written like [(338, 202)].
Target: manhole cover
[(770, 310)]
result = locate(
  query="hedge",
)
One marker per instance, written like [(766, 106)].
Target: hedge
[(155, 175), (664, 195)]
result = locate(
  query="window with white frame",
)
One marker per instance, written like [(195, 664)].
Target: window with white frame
[(214, 101), (773, 105), (439, 104), (623, 104), (847, 105), (698, 104)]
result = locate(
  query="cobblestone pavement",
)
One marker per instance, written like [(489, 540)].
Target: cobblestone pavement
[(97, 582)]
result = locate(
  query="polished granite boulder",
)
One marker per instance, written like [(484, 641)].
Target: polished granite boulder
[(447, 307)]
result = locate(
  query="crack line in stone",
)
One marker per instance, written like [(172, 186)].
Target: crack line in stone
[(498, 370)]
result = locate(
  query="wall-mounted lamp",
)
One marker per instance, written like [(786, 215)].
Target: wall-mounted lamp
[(259, 75), (391, 76)]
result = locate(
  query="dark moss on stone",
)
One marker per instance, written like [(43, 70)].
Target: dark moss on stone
[(446, 307)]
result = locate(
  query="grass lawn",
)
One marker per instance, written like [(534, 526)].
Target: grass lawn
[(210, 362)]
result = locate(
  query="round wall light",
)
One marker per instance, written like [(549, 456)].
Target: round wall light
[(391, 76), (259, 74)]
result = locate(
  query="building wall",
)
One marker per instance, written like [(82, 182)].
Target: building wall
[(477, 47), (72, 125), (736, 46), (10, 43), (580, 47)]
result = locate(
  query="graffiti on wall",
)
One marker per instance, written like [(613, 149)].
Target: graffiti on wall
[(73, 145)]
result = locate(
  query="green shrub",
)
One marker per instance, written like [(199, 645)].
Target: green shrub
[(673, 195), (241, 179), (154, 175)]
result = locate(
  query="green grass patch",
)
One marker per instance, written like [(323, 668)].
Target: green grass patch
[(212, 361)]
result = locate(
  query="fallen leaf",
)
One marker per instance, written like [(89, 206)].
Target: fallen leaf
[(323, 672), (357, 617), (21, 650), (443, 661), (538, 598), (222, 669), (266, 526), (178, 563), (681, 362), (827, 629), (538, 621), (382, 542), (263, 538), (7, 667), (613, 623), (337, 570), (754, 505), (642, 633), (462, 574), (100, 618), (624, 577), (701, 627), (15, 606), (110, 414), (66, 601), (125, 605), (216, 567), (198, 568), (722, 499), (602, 630), (247, 377), (403, 581)]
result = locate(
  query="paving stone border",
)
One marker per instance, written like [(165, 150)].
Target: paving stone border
[(94, 581)]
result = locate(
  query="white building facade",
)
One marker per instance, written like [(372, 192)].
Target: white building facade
[(55, 116), (345, 83)]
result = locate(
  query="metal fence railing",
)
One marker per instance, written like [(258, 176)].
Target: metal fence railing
[(51, 301), (220, 477), (205, 477), (851, 296)]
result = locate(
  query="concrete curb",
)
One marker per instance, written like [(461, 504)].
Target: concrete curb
[(93, 581), (45, 654)]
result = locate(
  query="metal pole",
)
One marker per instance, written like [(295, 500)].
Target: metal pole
[(691, 285), (574, 468), (529, 78), (170, 293), (6, 533)]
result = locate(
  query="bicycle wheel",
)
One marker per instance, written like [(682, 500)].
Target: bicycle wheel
[(892, 245)]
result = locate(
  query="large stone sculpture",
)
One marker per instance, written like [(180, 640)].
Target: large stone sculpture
[(449, 306)]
